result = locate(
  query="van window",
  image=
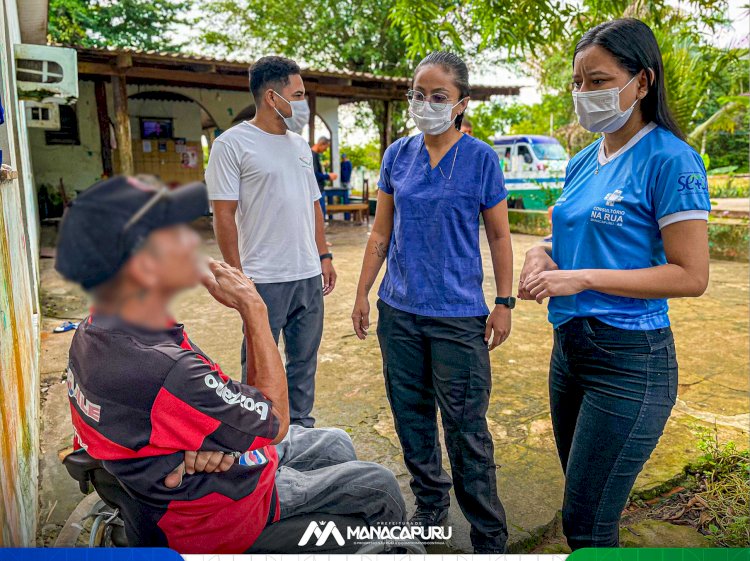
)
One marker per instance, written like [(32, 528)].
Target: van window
[(525, 153), (549, 151)]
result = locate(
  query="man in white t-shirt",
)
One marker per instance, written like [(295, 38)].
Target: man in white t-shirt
[(268, 220)]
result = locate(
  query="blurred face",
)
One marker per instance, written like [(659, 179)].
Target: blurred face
[(437, 87), (169, 261), (594, 68), (293, 91)]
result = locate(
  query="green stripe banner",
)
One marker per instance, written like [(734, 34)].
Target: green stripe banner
[(666, 554)]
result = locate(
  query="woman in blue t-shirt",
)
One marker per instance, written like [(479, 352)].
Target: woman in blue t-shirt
[(433, 324), (630, 231)]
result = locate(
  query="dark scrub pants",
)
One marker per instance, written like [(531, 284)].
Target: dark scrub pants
[(611, 393), (432, 362), (296, 309)]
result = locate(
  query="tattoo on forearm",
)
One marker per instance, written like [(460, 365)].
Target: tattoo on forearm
[(380, 249)]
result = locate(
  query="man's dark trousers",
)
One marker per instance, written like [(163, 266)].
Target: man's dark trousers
[(296, 309)]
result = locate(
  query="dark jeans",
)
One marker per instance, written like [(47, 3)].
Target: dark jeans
[(444, 362), (296, 308), (611, 393)]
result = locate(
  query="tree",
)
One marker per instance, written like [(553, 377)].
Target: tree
[(350, 34), (139, 24), (355, 35), (700, 77)]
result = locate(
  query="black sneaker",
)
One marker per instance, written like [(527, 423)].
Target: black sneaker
[(426, 516)]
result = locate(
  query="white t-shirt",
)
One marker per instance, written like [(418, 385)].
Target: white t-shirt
[(271, 176)]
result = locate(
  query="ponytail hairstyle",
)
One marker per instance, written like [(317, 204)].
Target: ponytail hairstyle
[(634, 46), (454, 66)]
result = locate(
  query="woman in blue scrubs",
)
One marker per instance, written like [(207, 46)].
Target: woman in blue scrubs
[(433, 324), (630, 232)]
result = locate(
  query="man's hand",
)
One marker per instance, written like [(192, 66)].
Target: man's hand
[(498, 327), (199, 462), (230, 286), (333, 176), (329, 276)]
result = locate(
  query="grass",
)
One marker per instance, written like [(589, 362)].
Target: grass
[(724, 498)]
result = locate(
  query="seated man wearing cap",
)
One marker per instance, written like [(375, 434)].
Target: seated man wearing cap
[(143, 397)]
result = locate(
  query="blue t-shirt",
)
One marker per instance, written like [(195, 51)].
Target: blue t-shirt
[(434, 267), (613, 220)]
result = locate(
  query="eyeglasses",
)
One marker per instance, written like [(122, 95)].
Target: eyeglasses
[(437, 101)]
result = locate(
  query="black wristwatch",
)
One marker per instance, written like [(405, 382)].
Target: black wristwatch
[(327, 256), (509, 302)]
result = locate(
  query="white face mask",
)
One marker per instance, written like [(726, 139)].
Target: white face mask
[(430, 121), (599, 111), (300, 114)]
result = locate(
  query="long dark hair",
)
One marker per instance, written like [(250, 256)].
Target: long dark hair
[(634, 46), (454, 66)]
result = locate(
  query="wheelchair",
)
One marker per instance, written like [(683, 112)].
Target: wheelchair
[(108, 529)]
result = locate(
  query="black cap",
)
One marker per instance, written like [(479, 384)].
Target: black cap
[(107, 222)]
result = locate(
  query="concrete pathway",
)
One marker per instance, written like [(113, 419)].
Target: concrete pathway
[(712, 343)]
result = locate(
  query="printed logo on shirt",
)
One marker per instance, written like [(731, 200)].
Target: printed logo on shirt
[(691, 182), (253, 458), (231, 398), (306, 162), (614, 197), (608, 214), (91, 410)]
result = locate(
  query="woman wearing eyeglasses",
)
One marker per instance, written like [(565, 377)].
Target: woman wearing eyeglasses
[(630, 232), (433, 326)]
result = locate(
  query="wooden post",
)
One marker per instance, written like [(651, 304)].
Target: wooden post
[(100, 93), (386, 133), (122, 125), (312, 102)]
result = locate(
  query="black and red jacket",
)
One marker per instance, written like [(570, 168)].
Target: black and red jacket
[(139, 399)]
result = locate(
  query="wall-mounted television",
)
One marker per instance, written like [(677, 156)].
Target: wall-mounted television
[(153, 127)]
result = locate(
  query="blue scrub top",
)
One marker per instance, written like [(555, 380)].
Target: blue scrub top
[(613, 220), (434, 267)]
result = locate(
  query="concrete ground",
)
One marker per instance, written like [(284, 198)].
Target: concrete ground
[(712, 346)]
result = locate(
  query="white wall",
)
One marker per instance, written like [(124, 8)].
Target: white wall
[(78, 166), (186, 116), (328, 110), (19, 318)]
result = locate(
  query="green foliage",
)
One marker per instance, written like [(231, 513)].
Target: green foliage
[(701, 79), (728, 187), (532, 222), (728, 240), (140, 24), (366, 156), (349, 34), (729, 149)]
